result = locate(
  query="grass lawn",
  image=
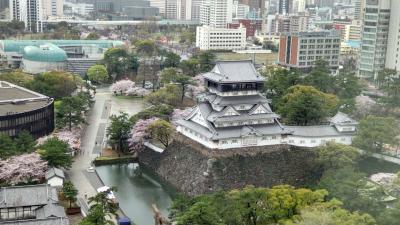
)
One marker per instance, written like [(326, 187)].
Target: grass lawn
[(127, 97)]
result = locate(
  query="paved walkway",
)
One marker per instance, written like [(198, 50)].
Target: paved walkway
[(92, 141)]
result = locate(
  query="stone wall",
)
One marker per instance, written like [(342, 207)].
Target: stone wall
[(194, 170)]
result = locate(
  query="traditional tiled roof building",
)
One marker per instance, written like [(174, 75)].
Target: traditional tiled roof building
[(234, 114)]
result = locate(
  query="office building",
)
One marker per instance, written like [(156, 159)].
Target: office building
[(251, 26), (240, 11), (299, 6), (284, 6), (160, 4), (178, 9), (299, 23), (352, 32), (216, 13), (301, 50), (52, 8), (359, 6), (28, 11), (374, 37), (393, 43), (210, 38)]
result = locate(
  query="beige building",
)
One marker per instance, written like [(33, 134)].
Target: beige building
[(352, 32), (52, 8)]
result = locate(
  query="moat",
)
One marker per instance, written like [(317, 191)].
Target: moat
[(137, 191)]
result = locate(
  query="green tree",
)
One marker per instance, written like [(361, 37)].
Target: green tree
[(169, 95), (187, 37), (133, 63), (93, 36), (278, 81), (392, 98), (71, 112), (200, 214), (56, 153), (146, 47), (7, 147), (17, 77), (118, 131), (390, 216), (24, 142), (384, 77), (55, 84), (97, 74), (374, 132), (172, 60), (115, 59), (320, 76), (101, 208), (335, 156), (331, 214), (206, 61), (305, 105), (346, 85), (161, 131), (190, 67), (170, 75), (162, 111), (70, 192)]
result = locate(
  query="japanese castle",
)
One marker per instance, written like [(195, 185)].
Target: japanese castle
[(234, 114)]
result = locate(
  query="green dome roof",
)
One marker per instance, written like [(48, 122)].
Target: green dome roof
[(45, 53)]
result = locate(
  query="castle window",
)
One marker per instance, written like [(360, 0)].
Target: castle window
[(234, 141), (302, 142), (291, 141), (224, 142), (273, 137), (313, 141), (264, 138)]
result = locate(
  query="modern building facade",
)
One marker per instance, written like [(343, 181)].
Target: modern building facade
[(284, 6), (52, 8), (393, 42), (301, 50), (216, 13), (28, 11), (209, 38), (374, 37), (235, 115), (23, 109), (252, 26)]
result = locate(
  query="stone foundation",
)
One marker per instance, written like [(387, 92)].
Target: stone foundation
[(194, 169)]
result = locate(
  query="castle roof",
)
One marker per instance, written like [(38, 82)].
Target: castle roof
[(342, 119), (316, 131), (234, 72), (235, 100)]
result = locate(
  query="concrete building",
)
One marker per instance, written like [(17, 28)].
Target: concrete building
[(28, 11), (240, 11), (216, 13), (352, 32), (81, 9), (160, 4), (55, 177), (299, 6), (374, 37), (31, 205), (196, 4), (52, 8), (36, 56), (126, 9), (23, 109), (178, 9), (300, 50), (299, 23), (209, 38), (285, 6), (235, 115), (393, 45), (359, 6), (252, 26)]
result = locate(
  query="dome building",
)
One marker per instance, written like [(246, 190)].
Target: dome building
[(47, 57)]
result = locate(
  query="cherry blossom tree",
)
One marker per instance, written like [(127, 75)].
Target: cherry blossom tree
[(122, 86), (73, 137), (139, 134), (199, 87), (139, 91), (20, 169), (179, 114)]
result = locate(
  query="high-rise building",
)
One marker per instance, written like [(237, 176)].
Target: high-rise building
[(4, 4), (216, 13), (301, 50), (52, 8), (178, 9), (359, 6), (240, 10), (284, 6), (393, 45), (160, 4), (299, 6), (28, 11), (375, 37), (299, 23), (196, 4)]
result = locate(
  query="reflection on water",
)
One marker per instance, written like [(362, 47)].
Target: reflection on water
[(136, 191)]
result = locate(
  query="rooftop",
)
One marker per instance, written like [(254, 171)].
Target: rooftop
[(54, 172), (15, 99), (28, 195), (44, 53), (233, 72)]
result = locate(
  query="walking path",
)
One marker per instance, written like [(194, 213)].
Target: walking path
[(93, 141)]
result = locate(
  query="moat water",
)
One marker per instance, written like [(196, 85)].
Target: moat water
[(137, 191)]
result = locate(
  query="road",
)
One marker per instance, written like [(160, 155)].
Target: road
[(92, 140)]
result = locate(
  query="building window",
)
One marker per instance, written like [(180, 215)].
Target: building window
[(291, 141), (264, 138), (234, 141), (224, 142), (313, 141), (273, 137), (302, 141)]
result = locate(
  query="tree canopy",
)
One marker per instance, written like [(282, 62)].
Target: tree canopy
[(118, 131), (56, 153), (374, 132), (70, 112), (97, 74), (161, 131), (169, 95), (305, 105)]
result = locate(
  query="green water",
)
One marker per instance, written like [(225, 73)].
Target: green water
[(137, 191), (371, 165)]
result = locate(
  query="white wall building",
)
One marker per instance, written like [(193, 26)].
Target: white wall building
[(216, 13), (52, 8), (160, 4), (209, 38), (393, 45), (240, 11), (55, 177), (83, 9), (28, 11), (234, 115), (178, 9)]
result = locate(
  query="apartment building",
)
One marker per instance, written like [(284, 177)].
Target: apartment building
[(28, 11), (301, 49), (210, 38)]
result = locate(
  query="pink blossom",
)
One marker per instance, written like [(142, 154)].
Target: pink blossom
[(122, 86), (22, 169), (138, 91), (139, 134), (179, 114), (73, 137), (194, 90)]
